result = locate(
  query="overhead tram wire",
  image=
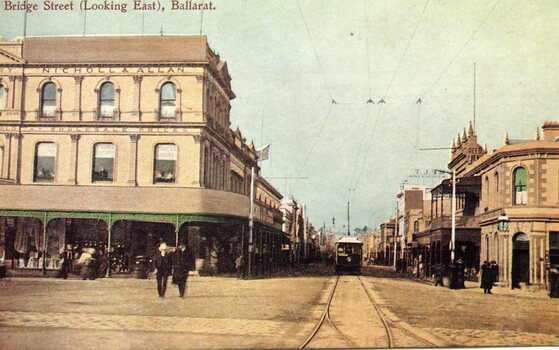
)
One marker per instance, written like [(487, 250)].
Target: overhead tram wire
[(314, 50), (406, 49), (324, 121), (382, 101), (370, 101), (371, 139), (481, 23)]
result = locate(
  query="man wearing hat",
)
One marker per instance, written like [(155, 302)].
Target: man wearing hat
[(183, 262), (163, 266)]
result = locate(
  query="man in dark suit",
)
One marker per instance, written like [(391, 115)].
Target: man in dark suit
[(183, 262), (163, 266), (67, 257)]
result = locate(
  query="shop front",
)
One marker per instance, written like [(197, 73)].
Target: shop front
[(34, 240)]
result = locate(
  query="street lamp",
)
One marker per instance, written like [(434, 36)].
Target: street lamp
[(503, 222)]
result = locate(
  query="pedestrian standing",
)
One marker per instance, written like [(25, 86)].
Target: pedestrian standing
[(67, 257), (163, 266), (553, 281), (183, 262), (494, 268), (486, 277), (239, 265)]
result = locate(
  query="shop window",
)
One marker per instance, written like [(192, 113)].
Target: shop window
[(168, 101), (165, 163), (2, 97), (48, 100), (107, 100), (103, 162), (45, 162), (520, 186), (27, 244)]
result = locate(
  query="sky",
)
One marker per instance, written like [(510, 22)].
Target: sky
[(290, 59)]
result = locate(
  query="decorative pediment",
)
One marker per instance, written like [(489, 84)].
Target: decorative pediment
[(9, 58)]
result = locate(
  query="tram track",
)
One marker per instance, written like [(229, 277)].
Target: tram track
[(388, 335)]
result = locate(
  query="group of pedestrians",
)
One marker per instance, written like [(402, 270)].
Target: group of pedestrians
[(92, 264), (489, 274), (179, 263)]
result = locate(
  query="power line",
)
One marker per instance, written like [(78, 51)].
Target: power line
[(481, 23), (371, 139), (325, 120), (367, 46), (314, 49), (407, 47), (370, 101), (357, 158)]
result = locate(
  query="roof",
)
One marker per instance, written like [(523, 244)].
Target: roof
[(116, 49), (349, 239), (517, 149)]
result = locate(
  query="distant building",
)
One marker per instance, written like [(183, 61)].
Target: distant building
[(411, 202)]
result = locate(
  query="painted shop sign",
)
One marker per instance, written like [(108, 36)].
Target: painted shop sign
[(100, 129), (107, 70)]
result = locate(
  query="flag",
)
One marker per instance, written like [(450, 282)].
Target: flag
[(263, 152)]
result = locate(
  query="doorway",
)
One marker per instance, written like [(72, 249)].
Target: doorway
[(520, 259)]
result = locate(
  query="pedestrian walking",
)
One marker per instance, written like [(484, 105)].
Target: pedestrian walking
[(163, 266), (88, 264), (67, 257), (183, 263), (486, 278)]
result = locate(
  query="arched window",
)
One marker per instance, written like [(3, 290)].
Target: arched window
[(168, 101), (165, 163), (497, 182), (107, 100), (415, 226), (45, 162), (103, 162), (520, 177), (48, 100), (2, 97)]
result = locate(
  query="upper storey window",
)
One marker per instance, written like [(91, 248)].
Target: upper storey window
[(168, 100), (103, 162), (520, 186), (48, 100), (2, 97), (45, 161), (165, 163), (107, 100)]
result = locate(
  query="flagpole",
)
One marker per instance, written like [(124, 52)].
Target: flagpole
[(251, 224), (24, 24), (84, 21)]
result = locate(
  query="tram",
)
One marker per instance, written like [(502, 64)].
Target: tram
[(348, 255)]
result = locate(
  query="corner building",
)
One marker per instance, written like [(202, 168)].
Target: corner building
[(119, 143)]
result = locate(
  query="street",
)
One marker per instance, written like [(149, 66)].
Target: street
[(267, 313)]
